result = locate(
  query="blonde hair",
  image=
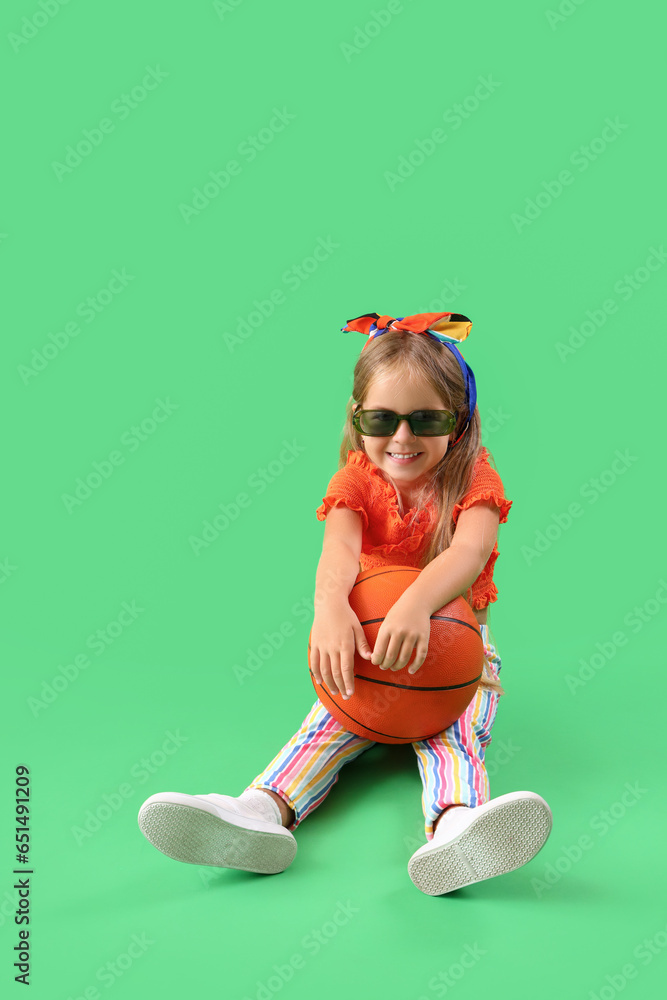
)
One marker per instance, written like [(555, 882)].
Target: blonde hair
[(420, 358)]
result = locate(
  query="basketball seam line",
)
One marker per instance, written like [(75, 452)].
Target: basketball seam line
[(436, 618), (414, 687), (409, 739)]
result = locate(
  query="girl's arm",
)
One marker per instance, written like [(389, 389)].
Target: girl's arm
[(447, 576), (336, 630), (339, 563), (454, 570)]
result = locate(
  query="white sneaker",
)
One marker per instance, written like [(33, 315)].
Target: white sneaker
[(215, 830), (473, 844)]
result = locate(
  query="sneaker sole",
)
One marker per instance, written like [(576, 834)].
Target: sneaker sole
[(197, 837), (502, 839)]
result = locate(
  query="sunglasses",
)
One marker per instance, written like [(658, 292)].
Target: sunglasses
[(423, 423)]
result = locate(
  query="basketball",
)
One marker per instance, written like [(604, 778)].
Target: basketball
[(394, 706)]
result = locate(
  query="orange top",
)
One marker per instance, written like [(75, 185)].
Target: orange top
[(386, 538)]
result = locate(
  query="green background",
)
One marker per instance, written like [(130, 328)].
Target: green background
[(365, 88)]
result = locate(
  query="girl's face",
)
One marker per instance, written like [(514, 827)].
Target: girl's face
[(397, 394)]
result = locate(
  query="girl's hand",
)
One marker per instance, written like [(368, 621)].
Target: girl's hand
[(405, 626), (335, 634)]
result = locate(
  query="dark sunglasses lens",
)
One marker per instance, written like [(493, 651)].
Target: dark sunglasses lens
[(377, 423), (429, 423)]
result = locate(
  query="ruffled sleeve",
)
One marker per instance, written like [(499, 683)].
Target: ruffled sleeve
[(486, 485), (349, 487)]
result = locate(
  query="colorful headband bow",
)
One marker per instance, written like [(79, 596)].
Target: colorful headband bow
[(447, 328)]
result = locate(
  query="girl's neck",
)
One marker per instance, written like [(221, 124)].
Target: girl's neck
[(407, 499), (410, 497)]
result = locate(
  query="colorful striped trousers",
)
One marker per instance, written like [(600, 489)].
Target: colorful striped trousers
[(451, 764)]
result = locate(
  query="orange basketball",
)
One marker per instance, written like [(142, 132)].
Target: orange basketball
[(394, 706)]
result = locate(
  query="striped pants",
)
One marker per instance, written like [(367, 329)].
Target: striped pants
[(451, 764)]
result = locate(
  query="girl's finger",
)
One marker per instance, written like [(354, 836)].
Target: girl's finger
[(404, 654), (347, 668), (379, 650), (392, 651), (337, 673), (361, 643), (333, 674), (315, 664), (327, 679), (419, 659)]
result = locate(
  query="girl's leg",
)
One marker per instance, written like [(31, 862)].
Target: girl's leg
[(235, 832), (491, 836), (306, 769), (451, 764)]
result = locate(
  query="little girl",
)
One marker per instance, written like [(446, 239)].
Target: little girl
[(414, 487)]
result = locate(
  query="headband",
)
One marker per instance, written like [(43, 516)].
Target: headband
[(447, 328)]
